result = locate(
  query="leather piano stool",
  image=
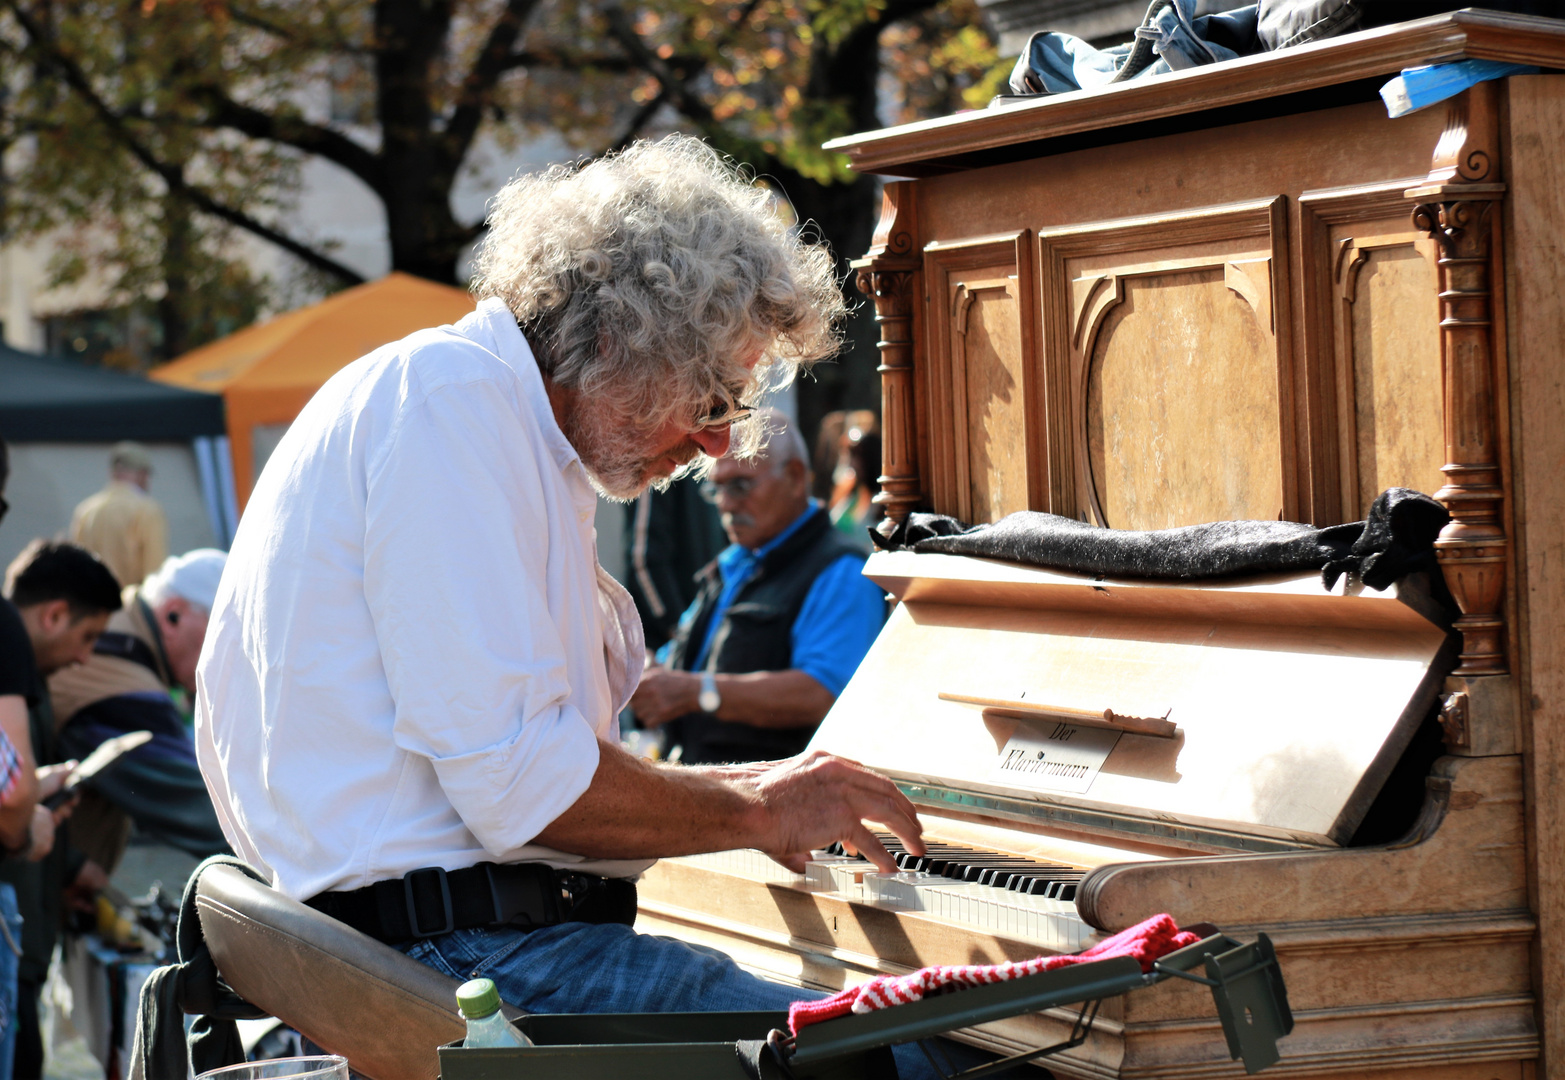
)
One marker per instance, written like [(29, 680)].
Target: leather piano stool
[(343, 990)]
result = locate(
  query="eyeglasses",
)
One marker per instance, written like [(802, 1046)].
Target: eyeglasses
[(737, 489), (723, 415)]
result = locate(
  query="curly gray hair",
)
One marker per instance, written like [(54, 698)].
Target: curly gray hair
[(656, 274)]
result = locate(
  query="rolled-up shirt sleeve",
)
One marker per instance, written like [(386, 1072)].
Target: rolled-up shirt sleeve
[(475, 665)]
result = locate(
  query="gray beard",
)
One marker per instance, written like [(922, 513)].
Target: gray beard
[(615, 459)]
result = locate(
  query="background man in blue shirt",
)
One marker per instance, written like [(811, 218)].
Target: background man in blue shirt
[(783, 618)]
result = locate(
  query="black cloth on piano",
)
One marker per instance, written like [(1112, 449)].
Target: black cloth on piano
[(1396, 539)]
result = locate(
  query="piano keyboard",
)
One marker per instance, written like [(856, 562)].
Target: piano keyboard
[(1004, 894)]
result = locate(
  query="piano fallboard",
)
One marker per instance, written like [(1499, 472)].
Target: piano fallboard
[(1290, 705)]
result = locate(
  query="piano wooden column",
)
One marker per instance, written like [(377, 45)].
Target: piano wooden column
[(1459, 207), (887, 274)]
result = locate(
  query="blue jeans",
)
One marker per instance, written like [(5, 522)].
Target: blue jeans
[(585, 968), (8, 963)]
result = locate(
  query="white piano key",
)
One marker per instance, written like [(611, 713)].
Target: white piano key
[(847, 877), (819, 870), (903, 889)]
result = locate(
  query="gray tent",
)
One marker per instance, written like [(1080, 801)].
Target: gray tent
[(60, 417), (43, 399)]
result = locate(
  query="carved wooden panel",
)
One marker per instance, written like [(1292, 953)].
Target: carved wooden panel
[(1169, 368), (1374, 281), (983, 386)]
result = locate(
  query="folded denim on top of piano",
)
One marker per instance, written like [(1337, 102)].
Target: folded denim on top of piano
[(1397, 539)]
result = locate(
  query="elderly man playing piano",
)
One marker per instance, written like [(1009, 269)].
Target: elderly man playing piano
[(414, 663)]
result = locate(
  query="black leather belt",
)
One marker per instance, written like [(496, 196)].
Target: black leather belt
[(432, 901)]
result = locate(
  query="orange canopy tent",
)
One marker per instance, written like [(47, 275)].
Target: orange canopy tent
[(267, 372)]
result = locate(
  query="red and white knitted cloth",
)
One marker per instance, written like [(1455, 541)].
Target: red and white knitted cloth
[(1145, 942)]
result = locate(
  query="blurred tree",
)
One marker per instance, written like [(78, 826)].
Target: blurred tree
[(151, 130)]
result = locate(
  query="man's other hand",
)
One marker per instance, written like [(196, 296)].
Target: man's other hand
[(816, 799), (664, 695)]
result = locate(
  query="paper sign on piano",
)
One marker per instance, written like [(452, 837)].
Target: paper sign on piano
[(1059, 757)]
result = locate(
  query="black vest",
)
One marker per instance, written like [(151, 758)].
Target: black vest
[(756, 634)]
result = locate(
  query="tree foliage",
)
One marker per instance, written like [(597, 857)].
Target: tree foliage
[(150, 132)]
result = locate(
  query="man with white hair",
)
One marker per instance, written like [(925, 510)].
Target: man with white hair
[(407, 703), (149, 649), (783, 618)]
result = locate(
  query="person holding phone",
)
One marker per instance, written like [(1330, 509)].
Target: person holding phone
[(62, 596)]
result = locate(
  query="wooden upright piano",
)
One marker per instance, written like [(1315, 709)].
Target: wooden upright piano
[(1236, 292)]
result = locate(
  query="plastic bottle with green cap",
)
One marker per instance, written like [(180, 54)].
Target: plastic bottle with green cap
[(479, 1002)]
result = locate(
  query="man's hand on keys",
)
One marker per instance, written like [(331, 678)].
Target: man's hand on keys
[(816, 799)]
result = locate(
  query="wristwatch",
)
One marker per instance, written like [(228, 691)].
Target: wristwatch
[(709, 699)]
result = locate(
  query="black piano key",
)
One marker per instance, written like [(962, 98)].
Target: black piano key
[(1032, 868), (1052, 875), (996, 875), (940, 863), (1060, 890), (931, 847), (1020, 882), (1013, 879), (985, 858), (975, 869), (962, 866)]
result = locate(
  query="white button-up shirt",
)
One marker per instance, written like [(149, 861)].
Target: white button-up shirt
[(414, 651)]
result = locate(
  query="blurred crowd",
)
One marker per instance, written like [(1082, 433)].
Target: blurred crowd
[(99, 637)]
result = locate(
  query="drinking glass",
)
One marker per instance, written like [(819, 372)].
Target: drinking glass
[(329, 1067)]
